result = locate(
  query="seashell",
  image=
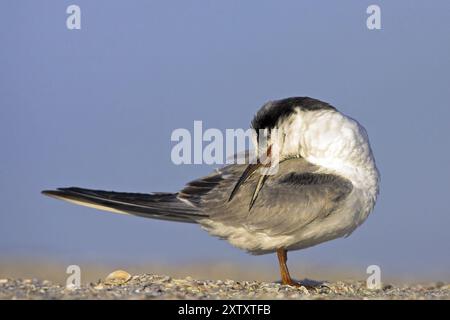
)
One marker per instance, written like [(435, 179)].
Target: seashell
[(118, 277)]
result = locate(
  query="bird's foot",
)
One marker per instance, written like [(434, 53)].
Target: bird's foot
[(309, 285)]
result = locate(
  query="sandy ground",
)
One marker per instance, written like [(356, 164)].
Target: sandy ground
[(150, 286), (28, 279)]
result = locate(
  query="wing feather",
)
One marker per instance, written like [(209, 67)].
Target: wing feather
[(290, 199)]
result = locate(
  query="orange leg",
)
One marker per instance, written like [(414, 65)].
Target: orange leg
[(285, 276)]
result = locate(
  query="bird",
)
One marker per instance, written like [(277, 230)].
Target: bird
[(325, 185)]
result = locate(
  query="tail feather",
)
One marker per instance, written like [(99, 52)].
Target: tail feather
[(164, 206)]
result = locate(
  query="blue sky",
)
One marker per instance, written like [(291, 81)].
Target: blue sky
[(96, 108)]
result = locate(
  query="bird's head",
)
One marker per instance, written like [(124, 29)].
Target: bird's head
[(314, 130), (279, 125)]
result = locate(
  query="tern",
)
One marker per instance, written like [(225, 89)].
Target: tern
[(326, 184)]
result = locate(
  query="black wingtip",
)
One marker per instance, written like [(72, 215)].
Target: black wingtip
[(48, 192), (52, 193), (60, 191)]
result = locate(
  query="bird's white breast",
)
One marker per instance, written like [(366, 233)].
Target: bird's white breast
[(339, 145)]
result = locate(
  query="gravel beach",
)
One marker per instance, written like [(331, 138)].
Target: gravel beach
[(150, 286)]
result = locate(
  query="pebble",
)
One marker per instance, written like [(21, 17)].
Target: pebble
[(99, 287)]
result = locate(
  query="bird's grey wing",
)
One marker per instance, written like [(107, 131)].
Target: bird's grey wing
[(290, 199)]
